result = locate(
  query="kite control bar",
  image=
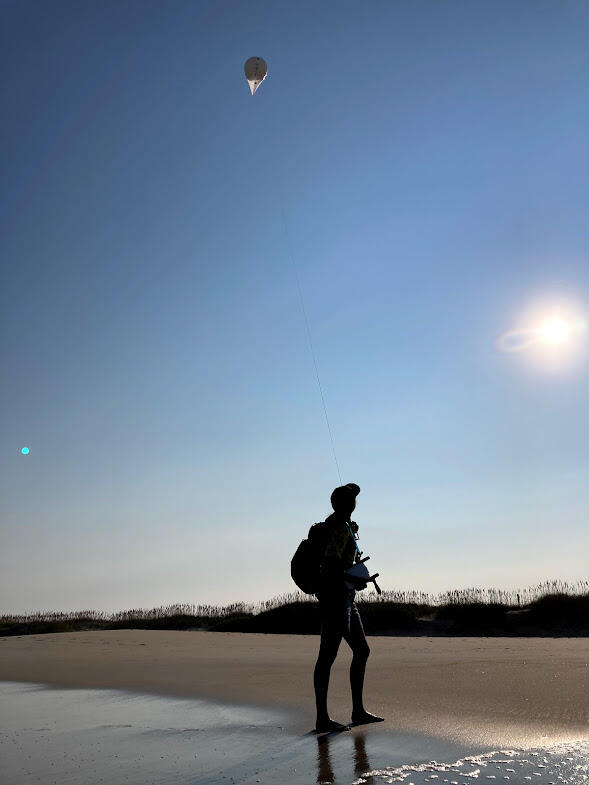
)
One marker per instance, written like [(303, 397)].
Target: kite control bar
[(359, 572)]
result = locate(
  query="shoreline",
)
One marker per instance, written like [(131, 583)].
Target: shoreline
[(92, 736), (478, 691)]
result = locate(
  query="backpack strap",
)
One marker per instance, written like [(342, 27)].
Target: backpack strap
[(353, 537)]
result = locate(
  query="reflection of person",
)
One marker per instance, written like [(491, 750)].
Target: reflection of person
[(339, 615), (361, 765), (325, 773), (324, 770)]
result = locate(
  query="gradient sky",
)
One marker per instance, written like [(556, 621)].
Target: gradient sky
[(431, 158)]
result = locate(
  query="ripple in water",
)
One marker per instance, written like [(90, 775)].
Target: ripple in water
[(563, 764)]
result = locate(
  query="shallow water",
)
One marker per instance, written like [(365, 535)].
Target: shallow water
[(562, 763), (88, 737)]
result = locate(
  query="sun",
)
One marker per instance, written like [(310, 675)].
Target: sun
[(551, 334), (555, 331)]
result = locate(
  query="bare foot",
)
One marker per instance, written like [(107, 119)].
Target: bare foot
[(364, 717), (328, 725)]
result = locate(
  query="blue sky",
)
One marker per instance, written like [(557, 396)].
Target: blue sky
[(431, 161)]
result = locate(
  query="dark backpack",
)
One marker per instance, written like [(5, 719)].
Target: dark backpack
[(305, 564)]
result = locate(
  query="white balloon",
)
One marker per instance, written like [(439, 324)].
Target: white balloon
[(256, 70)]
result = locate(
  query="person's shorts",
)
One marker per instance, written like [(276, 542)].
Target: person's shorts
[(337, 611)]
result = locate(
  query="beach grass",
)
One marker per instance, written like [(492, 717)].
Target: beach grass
[(549, 608)]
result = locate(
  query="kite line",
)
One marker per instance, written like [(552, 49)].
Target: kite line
[(308, 330), (256, 70)]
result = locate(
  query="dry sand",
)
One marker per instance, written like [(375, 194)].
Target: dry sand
[(520, 691)]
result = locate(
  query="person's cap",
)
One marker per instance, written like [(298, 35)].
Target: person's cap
[(351, 490)]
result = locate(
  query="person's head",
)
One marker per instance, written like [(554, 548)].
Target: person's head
[(343, 499)]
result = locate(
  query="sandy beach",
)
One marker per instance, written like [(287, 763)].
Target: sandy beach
[(482, 691)]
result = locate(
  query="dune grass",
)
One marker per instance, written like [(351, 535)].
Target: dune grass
[(549, 608)]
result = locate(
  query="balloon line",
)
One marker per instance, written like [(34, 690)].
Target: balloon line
[(308, 330)]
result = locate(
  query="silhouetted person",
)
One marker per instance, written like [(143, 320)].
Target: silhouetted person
[(339, 615)]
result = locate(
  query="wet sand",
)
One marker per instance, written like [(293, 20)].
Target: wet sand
[(94, 737), (475, 691)]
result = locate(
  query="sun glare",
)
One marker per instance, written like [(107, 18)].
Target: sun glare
[(552, 336), (555, 331)]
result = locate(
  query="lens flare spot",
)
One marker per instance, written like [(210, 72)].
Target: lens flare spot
[(25, 451)]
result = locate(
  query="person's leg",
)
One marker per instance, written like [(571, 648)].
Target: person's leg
[(331, 636), (356, 639), (360, 651)]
